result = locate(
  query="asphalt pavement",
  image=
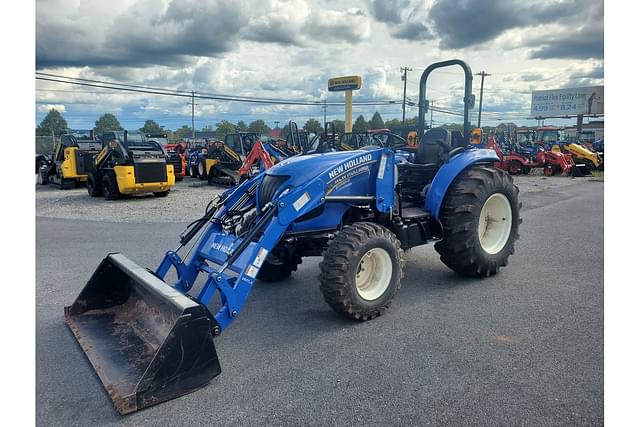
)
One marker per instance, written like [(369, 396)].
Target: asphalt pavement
[(524, 347)]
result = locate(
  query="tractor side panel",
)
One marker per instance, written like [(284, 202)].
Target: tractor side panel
[(353, 178), (450, 171), (69, 166)]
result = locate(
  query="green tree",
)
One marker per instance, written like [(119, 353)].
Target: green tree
[(412, 121), (453, 126), (259, 127), (107, 122), (224, 127), (150, 126), (53, 123), (361, 124), (241, 126), (339, 126), (376, 121), (183, 133), (394, 125), (313, 126)]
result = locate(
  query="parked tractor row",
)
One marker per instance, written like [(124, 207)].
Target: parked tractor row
[(543, 148), (111, 165)]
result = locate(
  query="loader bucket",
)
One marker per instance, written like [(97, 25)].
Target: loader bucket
[(147, 342)]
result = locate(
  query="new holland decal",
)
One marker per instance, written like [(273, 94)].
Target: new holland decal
[(343, 173)]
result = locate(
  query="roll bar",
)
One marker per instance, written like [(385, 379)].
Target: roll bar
[(469, 98)]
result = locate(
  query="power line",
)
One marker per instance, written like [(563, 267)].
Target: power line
[(101, 84)]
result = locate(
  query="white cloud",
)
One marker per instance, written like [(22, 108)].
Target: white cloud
[(45, 108), (272, 48)]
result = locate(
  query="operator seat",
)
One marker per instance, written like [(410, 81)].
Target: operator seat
[(420, 168), (433, 147)]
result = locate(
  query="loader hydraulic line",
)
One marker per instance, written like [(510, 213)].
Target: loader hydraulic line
[(270, 210), (197, 225)]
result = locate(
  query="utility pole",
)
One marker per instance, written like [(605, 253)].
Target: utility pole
[(324, 107), (193, 116), (404, 93), (433, 104), (277, 122), (483, 75)]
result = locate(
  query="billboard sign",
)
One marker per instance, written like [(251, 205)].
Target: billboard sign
[(568, 102), (338, 84)]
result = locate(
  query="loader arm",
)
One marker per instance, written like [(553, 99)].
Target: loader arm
[(257, 153), (239, 258)]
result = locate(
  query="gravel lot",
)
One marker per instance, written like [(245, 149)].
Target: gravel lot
[(190, 197)]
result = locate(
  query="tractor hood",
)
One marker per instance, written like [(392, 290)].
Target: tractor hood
[(304, 168)]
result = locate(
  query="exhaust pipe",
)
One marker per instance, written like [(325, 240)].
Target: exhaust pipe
[(147, 342)]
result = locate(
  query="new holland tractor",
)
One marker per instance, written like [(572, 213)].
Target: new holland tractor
[(150, 334), (129, 164), (70, 161)]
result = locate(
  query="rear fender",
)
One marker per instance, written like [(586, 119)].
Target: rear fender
[(448, 173)]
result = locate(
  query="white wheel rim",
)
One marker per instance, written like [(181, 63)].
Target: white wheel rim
[(373, 274), (200, 169), (494, 227)]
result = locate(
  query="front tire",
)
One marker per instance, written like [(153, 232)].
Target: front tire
[(110, 187), (43, 178), (93, 188), (515, 167), (275, 269), (480, 217), (202, 174), (361, 270)]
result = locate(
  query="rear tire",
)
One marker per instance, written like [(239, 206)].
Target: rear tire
[(480, 217), (93, 189), (361, 270), (110, 187)]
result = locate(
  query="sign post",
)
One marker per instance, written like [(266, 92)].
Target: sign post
[(347, 85)]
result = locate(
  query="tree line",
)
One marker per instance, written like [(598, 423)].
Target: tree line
[(54, 123)]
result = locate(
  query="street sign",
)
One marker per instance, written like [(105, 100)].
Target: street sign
[(568, 102), (338, 84)]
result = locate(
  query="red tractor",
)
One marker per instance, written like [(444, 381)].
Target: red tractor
[(515, 163), (512, 161)]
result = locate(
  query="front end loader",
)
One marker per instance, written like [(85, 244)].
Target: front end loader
[(150, 335), (224, 159)]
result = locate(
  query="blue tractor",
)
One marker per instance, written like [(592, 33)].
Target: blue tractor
[(150, 333)]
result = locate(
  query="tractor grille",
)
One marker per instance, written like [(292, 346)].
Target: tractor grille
[(150, 172), (268, 187)]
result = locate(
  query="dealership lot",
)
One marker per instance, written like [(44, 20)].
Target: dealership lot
[(522, 348)]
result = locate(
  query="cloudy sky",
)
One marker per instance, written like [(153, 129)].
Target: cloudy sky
[(288, 49)]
